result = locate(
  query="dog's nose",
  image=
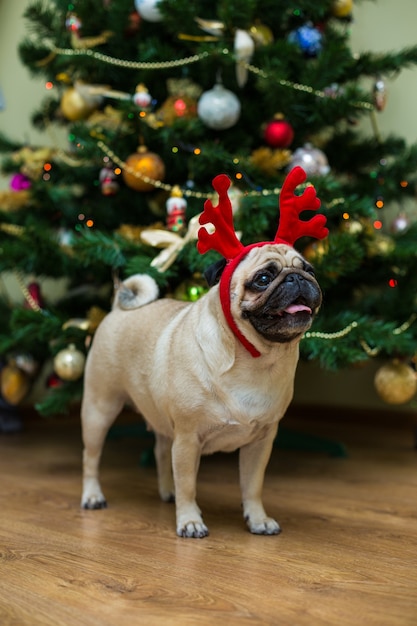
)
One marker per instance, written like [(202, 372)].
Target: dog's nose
[(292, 278)]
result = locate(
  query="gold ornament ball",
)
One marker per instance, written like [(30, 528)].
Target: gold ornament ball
[(74, 107), (15, 384), (342, 8), (316, 250), (261, 34), (147, 166), (395, 382), (69, 363)]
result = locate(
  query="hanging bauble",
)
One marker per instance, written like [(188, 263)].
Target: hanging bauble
[(261, 34), (26, 362), (341, 8), (33, 296), (143, 170), (395, 382), (380, 94), (15, 383), (76, 105), (108, 181), (20, 182), (270, 161), (192, 289), (316, 250), (176, 206), (142, 98), (313, 161), (244, 47), (133, 24), (69, 363), (379, 245), (73, 23), (308, 38), (278, 132), (148, 9), (175, 108), (400, 223), (219, 108)]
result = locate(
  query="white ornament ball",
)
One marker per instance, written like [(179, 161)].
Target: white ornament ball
[(148, 9), (69, 363), (313, 161), (219, 108)]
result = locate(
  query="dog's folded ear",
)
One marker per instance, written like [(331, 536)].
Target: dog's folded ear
[(213, 273)]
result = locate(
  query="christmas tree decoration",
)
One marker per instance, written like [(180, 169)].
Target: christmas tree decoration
[(316, 250), (69, 363), (133, 24), (20, 182), (244, 47), (308, 39), (73, 23), (143, 169), (270, 161), (108, 181), (192, 289), (312, 160), (26, 362), (219, 108), (33, 296), (15, 383), (400, 223), (148, 9), (176, 206), (142, 97), (278, 132), (77, 104), (396, 382), (380, 245), (341, 8), (380, 94), (181, 102), (172, 243), (261, 34), (148, 79)]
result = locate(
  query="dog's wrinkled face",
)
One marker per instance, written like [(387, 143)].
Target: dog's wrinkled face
[(275, 290)]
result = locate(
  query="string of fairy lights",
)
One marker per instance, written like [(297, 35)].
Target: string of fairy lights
[(163, 65)]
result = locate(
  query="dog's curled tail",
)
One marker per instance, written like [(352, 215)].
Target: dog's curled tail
[(134, 292)]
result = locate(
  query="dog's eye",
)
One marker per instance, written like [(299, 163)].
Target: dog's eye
[(262, 280)]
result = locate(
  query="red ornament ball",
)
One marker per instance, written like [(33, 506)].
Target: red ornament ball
[(278, 133)]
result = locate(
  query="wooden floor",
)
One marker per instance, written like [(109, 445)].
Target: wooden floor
[(347, 554)]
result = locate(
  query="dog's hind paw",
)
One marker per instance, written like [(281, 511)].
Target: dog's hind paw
[(196, 530), (267, 526)]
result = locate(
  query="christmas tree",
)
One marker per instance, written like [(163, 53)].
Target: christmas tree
[(158, 97)]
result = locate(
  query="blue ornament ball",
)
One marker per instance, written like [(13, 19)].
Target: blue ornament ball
[(308, 38)]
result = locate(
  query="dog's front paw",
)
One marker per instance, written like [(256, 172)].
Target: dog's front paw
[(92, 497), (94, 503), (265, 526), (196, 530)]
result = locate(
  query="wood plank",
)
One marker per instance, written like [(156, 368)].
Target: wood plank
[(347, 554)]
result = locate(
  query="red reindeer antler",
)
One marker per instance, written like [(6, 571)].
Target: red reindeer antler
[(290, 226), (224, 238)]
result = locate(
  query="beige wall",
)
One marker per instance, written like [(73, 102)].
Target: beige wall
[(379, 26)]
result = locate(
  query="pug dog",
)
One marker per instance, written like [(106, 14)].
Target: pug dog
[(207, 376)]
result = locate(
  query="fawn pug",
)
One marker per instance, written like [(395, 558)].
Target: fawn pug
[(212, 375)]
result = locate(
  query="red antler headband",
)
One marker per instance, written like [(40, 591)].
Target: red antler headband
[(225, 241)]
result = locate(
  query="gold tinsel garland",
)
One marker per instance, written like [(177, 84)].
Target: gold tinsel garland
[(163, 65)]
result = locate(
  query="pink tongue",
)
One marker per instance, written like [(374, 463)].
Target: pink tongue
[(296, 308)]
